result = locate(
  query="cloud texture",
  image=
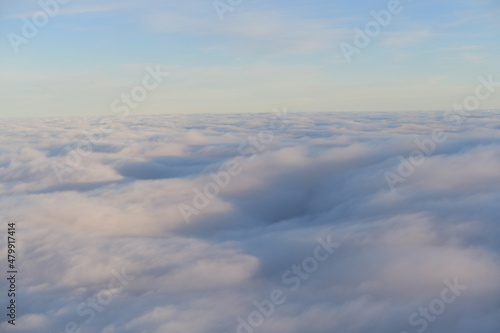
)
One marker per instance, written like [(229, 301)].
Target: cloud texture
[(104, 245)]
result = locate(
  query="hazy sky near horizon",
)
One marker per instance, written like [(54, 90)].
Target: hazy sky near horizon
[(264, 54)]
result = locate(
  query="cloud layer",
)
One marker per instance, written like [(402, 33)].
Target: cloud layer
[(225, 223)]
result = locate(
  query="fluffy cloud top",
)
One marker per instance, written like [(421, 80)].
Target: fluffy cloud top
[(254, 223)]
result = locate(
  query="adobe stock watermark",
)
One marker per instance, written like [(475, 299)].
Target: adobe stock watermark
[(232, 168), (223, 6), (372, 29), (292, 279), (98, 301), (427, 146), (31, 26), (420, 320), (483, 91), (121, 107)]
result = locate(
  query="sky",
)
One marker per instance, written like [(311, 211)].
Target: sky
[(250, 56)]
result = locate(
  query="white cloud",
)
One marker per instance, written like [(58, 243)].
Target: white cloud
[(323, 174), (407, 38)]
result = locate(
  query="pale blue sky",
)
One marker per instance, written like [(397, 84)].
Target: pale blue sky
[(264, 54)]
